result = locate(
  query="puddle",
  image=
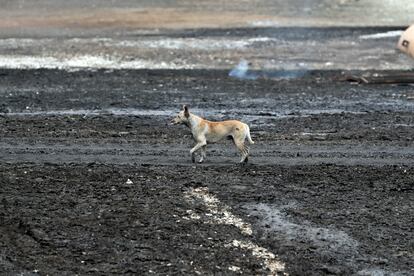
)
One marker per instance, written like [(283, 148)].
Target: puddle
[(84, 61), (272, 219), (248, 115), (85, 112), (382, 35), (312, 134), (207, 44), (379, 272)]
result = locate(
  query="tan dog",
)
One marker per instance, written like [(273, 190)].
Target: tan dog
[(211, 132)]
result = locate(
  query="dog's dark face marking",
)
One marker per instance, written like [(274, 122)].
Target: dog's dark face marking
[(186, 112)]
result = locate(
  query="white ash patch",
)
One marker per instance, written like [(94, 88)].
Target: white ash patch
[(192, 215), (234, 268), (218, 212), (269, 259)]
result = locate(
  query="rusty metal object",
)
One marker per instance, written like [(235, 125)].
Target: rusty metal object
[(389, 78)]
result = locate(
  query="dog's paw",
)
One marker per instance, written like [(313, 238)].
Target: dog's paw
[(244, 161)]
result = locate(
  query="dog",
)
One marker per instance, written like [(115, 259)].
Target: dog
[(205, 132)]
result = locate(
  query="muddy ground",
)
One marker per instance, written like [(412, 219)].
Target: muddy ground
[(94, 180)]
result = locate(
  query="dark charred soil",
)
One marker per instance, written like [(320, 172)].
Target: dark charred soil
[(94, 180)]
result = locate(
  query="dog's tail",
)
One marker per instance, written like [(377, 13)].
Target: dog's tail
[(249, 138)]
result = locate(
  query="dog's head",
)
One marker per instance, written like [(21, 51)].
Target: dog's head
[(182, 116)]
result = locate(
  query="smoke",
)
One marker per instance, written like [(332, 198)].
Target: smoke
[(241, 71)]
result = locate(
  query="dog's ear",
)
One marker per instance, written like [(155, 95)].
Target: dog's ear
[(186, 112)]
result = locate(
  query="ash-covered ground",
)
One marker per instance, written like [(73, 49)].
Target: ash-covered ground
[(95, 180)]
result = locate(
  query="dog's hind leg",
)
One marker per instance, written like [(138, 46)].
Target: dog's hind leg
[(246, 154), (244, 151)]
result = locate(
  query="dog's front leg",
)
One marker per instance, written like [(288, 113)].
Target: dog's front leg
[(196, 148), (203, 154)]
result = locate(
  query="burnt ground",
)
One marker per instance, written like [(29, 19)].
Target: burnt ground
[(329, 189)]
